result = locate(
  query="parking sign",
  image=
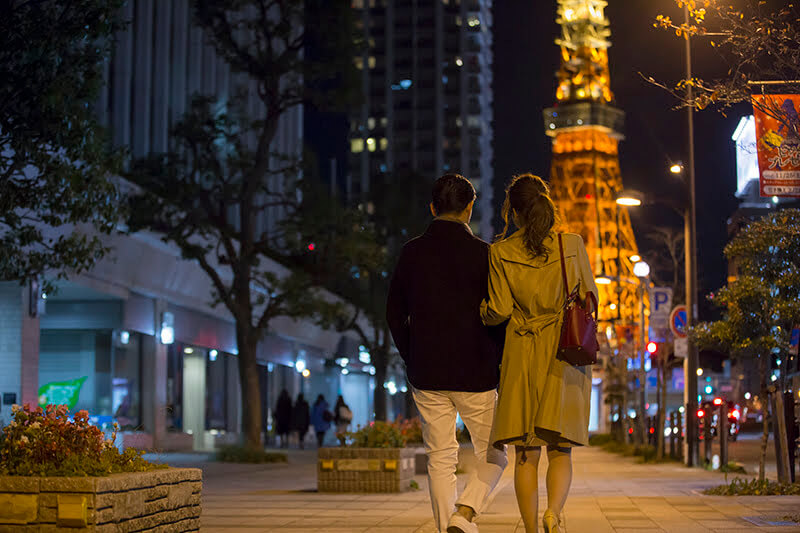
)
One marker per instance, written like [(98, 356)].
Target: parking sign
[(660, 307)]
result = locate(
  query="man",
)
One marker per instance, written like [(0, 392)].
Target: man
[(452, 360)]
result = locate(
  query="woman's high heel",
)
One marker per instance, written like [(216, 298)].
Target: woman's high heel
[(550, 522)]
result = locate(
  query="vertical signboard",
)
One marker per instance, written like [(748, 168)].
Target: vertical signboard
[(660, 307), (778, 143)]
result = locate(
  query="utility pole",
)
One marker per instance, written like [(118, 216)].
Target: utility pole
[(689, 222)]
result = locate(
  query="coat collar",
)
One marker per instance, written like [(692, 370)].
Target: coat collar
[(447, 227)]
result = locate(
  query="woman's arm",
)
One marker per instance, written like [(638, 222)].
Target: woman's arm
[(498, 307)]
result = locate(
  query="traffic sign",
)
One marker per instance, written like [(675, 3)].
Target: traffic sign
[(677, 321), (794, 341), (660, 305)]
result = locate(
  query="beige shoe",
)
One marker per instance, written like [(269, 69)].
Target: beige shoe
[(550, 522)]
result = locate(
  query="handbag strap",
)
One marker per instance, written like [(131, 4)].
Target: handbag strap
[(563, 266), (590, 294)]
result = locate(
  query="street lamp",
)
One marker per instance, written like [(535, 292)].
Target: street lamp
[(676, 168), (642, 271)]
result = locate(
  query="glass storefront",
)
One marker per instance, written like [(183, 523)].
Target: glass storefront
[(95, 370)]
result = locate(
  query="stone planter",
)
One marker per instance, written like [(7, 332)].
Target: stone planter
[(158, 500), (365, 469), (421, 460)]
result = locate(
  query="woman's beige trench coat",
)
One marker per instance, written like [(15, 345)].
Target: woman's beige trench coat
[(542, 400)]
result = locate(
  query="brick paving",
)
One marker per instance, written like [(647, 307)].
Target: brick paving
[(609, 494)]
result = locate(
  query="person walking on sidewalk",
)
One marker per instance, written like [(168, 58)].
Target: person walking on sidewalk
[(342, 416), (452, 360), (321, 419), (300, 419), (543, 401), (283, 417)]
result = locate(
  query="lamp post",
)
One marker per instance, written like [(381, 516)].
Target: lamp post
[(642, 271)]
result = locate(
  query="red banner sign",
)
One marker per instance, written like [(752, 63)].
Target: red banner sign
[(778, 142)]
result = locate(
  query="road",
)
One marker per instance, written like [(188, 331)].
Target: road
[(747, 450)]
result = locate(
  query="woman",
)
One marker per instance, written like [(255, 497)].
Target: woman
[(283, 417), (321, 418), (542, 401), (342, 416), (300, 420)]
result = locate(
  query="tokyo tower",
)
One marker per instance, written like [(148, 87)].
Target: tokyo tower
[(585, 177)]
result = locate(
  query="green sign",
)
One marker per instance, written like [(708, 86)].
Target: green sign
[(61, 392)]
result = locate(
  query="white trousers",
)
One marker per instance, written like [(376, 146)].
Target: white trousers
[(438, 411)]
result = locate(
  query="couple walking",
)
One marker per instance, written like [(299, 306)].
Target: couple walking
[(449, 288)]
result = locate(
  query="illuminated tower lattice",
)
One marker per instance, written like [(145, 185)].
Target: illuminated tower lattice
[(585, 176)]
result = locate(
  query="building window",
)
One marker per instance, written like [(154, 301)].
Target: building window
[(356, 145), (384, 143), (371, 144), (473, 21), (371, 123), (384, 122), (357, 4)]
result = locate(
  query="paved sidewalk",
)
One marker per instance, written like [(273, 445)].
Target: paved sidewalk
[(609, 494)]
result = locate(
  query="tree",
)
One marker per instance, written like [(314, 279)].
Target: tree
[(757, 42), (669, 243), (395, 211), (223, 175), (54, 161), (760, 306)]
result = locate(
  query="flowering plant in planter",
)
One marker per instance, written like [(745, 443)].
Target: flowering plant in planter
[(411, 428), (47, 442), (378, 435)]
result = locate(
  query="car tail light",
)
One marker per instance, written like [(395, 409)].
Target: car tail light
[(735, 414)]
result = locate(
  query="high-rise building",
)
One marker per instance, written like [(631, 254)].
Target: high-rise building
[(427, 95)]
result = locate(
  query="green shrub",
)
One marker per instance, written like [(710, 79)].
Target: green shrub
[(46, 442), (378, 435), (600, 439), (754, 487), (243, 454)]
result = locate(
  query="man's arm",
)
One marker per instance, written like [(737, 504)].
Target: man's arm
[(397, 310)]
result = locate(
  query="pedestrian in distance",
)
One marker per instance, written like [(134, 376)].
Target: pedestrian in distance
[(543, 400), (300, 419), (452, 360), (321, 419), (283, 417), (342, 416)]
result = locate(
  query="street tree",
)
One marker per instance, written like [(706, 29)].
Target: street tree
[(394, 211), (760, 305), (758, 42), (55, 195), (223, 176)]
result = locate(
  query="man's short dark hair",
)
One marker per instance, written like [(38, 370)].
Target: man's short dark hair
[(451, 193)]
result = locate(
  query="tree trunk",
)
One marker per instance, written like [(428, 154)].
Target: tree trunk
[(251, 393), (762, 371), (380, 361)]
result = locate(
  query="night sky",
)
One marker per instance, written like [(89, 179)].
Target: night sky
[(526, 60)]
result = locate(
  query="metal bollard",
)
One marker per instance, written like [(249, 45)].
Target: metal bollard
[(707, 418), (723, 433), (679, 418), (672, 434)]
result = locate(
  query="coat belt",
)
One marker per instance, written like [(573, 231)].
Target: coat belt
[(534, 325)]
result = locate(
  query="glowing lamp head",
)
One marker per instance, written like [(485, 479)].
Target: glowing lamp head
[(717, 401), (676, 168), (602, 280), (641, 269), (300, 365), (652, 347)]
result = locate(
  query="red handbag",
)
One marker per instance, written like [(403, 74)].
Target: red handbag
[(578, 345)]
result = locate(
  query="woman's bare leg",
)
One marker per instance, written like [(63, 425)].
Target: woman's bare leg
[(559, 477), (526, 486)]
